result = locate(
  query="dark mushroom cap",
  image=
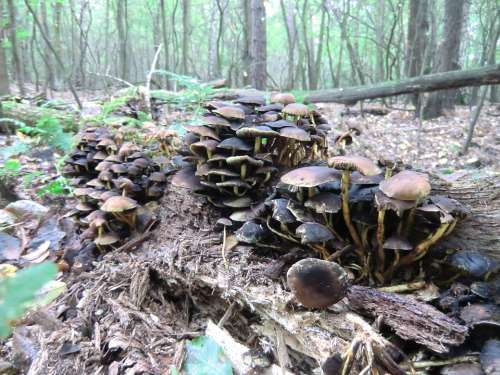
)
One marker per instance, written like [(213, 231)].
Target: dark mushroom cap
[(202, 131), (396, 242), (215, 121), (119, 168), (325, 202), (157, 177), (310, 176), (251, 233), (82, 192), (270, 116), (384, 202), (114, 159), (217, 158), (274, 107), (296, 109), (108, 194), (317, 283), (95, 183), (84, 207), (254, 100), (279, 124), (299, 212), (243, 215), (283, 98), (473, 263), (406, 186), (200, 148), (313, 233), (103, 166), (256, 131), (354, 163), (105, 176), (100, 155), (185, 178), (234, 143), (490, 357), (281, 212), (295, 133), (119, 204), (231, 112)]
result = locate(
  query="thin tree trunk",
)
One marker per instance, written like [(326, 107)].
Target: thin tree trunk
[(49, 79), (57, 35), (258, 44), (186, 34), (291, 37), (4, 76), (16, 61), (122, 38), (164, 34)]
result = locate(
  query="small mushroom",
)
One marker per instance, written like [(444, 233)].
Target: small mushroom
[(316, 283), (123, 208), (309, 178), (251, 233)]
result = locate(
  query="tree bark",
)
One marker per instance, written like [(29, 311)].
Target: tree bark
[(257, 44), (186, 34), (448, 57), (291, 37), (4, 76), (14, 47), (122, 38)]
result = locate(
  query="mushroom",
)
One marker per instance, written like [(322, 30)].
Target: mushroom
[(314, 233), (243, 161), (348, 164), (283, 98), (251, 233), (291, 136), (316, 283), (123, 208), (234, 144), (231, 112), (296, 111), (105, 240), (204, 148), (203, 131), (259, 133), (309, 178)]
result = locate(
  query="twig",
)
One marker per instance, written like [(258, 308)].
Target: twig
[(444, 362), (403, 287), (105, 75), (152, 70)]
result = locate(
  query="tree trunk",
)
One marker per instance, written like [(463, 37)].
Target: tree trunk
[(122, 38), (164, 34), (4, 76), (291, 37), (449, 54), (186, 34), (18, 69), (49, 72), (258, 44), (57, 37), (418, 26)]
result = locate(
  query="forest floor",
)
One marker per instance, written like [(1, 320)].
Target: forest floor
[(122, 317)]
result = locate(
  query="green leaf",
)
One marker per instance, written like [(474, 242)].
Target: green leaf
[(12, 165), (205, 357), (18, 291)]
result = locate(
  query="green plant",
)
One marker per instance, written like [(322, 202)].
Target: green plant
[(19, 291), (205, 357), (58, 187), (49, 131), (11, 168)]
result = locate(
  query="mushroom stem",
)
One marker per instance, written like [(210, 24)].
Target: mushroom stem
[(243, 171), (224, 235), (346, 176), (282, 235), (311, 192), (380, 240), (256, 146), (422, 248)]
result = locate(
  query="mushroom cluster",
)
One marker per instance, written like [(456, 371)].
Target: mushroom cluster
[(112, 179), (372, 221), (238, 146)]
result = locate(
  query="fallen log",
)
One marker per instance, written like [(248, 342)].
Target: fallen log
[(30, 115), (488, 75)]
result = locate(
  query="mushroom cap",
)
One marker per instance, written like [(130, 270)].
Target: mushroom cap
[(157, 177), (296, 109), (224, 221), (108, 194), (202, 131), (239, 202), (283, 98), (256, 131), (215, 121), (202, 169), (254, 100), (234, 143), (200, 148), (313, 233), (406, 186), (317, 283), (119, 168), (490, 357), (299, 212), (396, 242), (119, 204), (251, 233), (217, 158), (310, 176), (325, 202), (354, 163), (82, 192), (473, 263), (384, 202), (100, 155), (240, 159), (103, 165), (185, 178), (279, 124), (142, 163), (281, 212), (105, 176), (114, 159), (222, 172), (84, 207), (243, 215), (95, 183), (234, 183), (296, 133), (231, 112), (107, 239), (274, 107)]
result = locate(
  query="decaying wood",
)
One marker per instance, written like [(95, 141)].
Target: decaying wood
[(410, 319), (481, 229), (487, 75)]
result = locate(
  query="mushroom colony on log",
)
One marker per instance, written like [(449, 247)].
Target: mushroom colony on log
[(237, 147), (113, 179)]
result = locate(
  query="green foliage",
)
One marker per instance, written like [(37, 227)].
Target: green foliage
[(14, 150), (49, 131), (112, 105), (11, 168), (18, 291), (58, 187), (205, 357)]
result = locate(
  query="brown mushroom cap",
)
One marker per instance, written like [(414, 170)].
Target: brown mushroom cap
[(240, 202), (95, 183), (406, 186), (234, 144), (317, 283), (275, 107), (293, 132), (310, 176), (256, 131), (107, 239), (185, 178), (354, 163), (283, 98), (231, 112), (119, 204), (100, 155), (240, 159), (296, 109), (254, 100), (202, 131), (325, 202), (157, 177), (384, 202), (313, 233), (202, 148), (215, 121)]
